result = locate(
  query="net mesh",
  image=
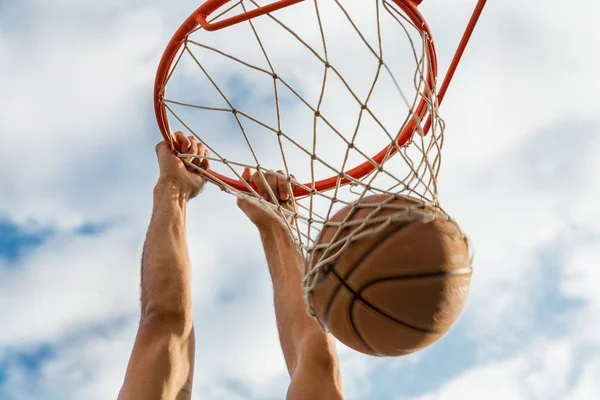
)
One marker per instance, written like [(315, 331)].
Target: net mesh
[(308, 93)]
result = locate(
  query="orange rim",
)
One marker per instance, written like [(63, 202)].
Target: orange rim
[(199, 18)]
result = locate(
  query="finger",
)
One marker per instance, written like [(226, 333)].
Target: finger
[(260, 181), (247, 174), (282, 187), (192, 146), (176, 141), (185, 145), (192, 150), (205, 164), (182, 140), (293, 182), (292, 203), (200, 148), (272, 184)]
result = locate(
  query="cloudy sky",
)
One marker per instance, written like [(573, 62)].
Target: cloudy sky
[(77, 169)]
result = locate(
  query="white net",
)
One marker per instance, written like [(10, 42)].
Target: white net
[(315, 90)]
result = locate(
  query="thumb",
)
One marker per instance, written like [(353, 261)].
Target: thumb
[(245, 204), (164, 154), (162, 148)]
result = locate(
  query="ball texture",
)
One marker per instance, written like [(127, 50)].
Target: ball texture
[(398, 289)]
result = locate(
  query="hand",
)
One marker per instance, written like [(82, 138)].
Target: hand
[(172, 168), (261, 215)]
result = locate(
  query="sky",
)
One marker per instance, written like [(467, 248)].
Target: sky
[(77, 169)]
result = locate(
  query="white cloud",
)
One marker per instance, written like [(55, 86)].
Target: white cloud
[(67, 284), (587, 386), (579, 277), (78, 89), (526, 68), (85, 366), (540, 372)]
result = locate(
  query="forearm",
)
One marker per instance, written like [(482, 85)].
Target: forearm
[(166, 271), (294, 324)]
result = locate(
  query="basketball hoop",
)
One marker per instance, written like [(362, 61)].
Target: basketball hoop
[(318, 89)]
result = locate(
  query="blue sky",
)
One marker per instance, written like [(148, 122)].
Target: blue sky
[(76, 176), (15, 241)]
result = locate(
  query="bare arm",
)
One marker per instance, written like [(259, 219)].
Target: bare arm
[(309, 352), (162, 360)]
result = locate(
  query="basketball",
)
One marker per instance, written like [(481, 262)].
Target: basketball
[(397, 289)]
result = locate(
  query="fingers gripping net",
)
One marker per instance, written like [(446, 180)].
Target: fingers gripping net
[(308, 93)]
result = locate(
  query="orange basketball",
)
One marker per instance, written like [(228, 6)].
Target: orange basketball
[(396, 290)]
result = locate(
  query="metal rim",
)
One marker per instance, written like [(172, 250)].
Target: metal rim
[(198, 18)]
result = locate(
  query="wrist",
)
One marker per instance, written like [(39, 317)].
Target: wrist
[(278, 232), (271, 227), (276, 224), (172, 187)]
